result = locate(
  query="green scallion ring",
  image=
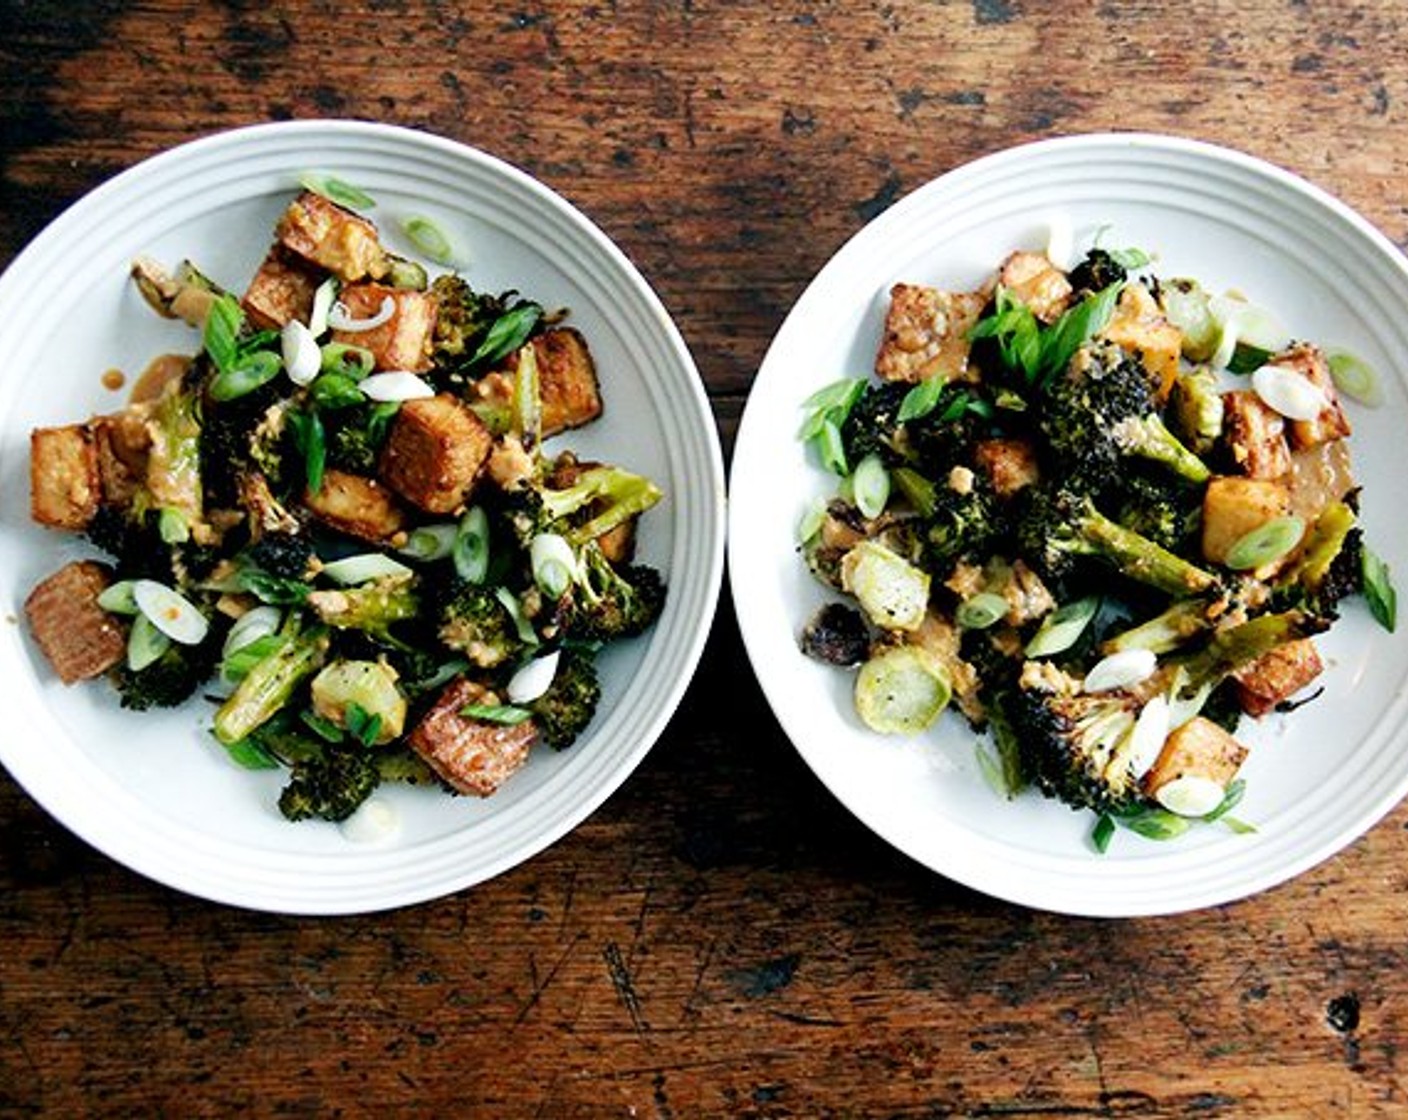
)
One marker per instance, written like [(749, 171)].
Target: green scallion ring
[(1063, 627), (870, 486), (427, 237), (255, 370), (981, 611), (337, 190), (1266, 543)]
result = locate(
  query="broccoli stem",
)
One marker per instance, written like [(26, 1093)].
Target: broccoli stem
[(625, 494), (1165, 632), (1138, 557), (270, 684), (1231, 649), (1149, 438)]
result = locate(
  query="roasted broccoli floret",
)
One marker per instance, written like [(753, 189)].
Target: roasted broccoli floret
[(872, 426), (355, 437), (1079, 747), (1166, 512), (141, 549), (962, 521), (285, 555), (1096, 272), (1100, 412), (1328, 569), (838, 635), (476, 622), (1058, 527), (563, 712), (612, 601), (172, 678), (249, 434), (331, 784), (1196, 409)]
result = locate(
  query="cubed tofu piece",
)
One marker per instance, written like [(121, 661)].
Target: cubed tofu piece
[(65, 486), (404, 340), (282, 289), (80, 639), (360, 507), (123, 443), (1197, 749), (332, 237), (1139, 328), (1233, 506), (567, 381), (1032, 279), (1009, 464), (926, 333), (1332, 423), (1255, 435), (474, 756), (434, 453), (1277, 676)]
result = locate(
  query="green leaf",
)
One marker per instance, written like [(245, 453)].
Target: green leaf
[(1379, 591), (506, 714), (1074, 329), (272, 589), (1103, 833), (508, 332), (364, 725), (923, 399), (336, 190), (222, 331)]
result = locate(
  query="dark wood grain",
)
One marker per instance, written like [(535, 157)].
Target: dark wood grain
[(720, 938)]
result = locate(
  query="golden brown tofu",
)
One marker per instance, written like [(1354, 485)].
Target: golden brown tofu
[(1233, 506), (79, 638), (1009, 464), (1138, 327), (281, 290), (1035, 281), (1255, 435), (926, 333), (65, 486), (1331, 424), (434, 453), (404, 340), (472, 755), (122, 441), (332, 237), (360, 507), (1198, 749), (567, 380), (1277, 676)]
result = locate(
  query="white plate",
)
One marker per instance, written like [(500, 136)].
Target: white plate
[(154, 790), (1316, 780)]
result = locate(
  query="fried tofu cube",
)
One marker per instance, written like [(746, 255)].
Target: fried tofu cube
[(926, 333), (1009, 464), (360, 507), (331, 237), (1032, 279), (567, 380), (1255, 435), (80, 639), (1331, 423), (472, 755), (65, 486), (1138, 327), (282, 289), (1197, 749), (1277, 675), (434, 453), (1233, 506), (402, 342)]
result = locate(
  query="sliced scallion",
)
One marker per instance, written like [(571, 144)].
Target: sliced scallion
[(365, 566), (870, 486), (1267, 542), (1062, 628), (430, 542), (506, 714), (254, 369), (324, 296), (980, 611), (170, 612), (470, 551), (347, 360), (145, 643), (336, 190), (428, 237), (1355, 378), (554, 563), (118, 599)]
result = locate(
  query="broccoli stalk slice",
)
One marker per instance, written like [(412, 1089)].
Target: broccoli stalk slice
[(371, 607), (625, 495), (1169, 630), (1091, 533), (1148, 437), (1237, 646), (270, 684)]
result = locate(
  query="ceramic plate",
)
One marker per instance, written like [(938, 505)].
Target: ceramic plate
[(153, 790), (1315, 780)]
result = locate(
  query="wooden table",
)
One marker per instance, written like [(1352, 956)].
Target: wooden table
[(721, 937)]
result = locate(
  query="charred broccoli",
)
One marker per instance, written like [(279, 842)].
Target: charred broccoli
[(330, 785), (476, 622), (373, 607), (281, 554), (172, 678), (141, 544), (1102, 411), (612, 601), (563, 712), (963, 521), (1080, 748), (1057, 527), (1097, 271)]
